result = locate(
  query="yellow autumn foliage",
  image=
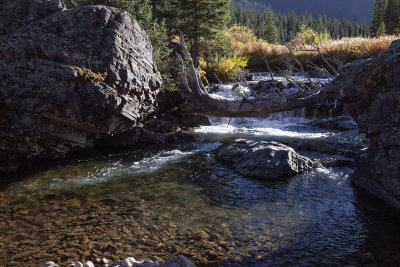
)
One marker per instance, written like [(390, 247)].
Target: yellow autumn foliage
[(226, 68), (242, 41), (310, 37)]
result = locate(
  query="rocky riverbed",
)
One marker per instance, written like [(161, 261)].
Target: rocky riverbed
[(178, 261), (157, 203)]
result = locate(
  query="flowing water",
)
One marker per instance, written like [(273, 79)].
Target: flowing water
[(157, 203)]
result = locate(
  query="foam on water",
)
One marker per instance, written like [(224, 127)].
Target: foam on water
[(277, 125), (266, 76), (145, 165), (264, 132), (96, 172), (226, 92)]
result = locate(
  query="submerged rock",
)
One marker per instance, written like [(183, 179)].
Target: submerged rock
[(72, 78), (179, 261), (261, 159), (336, 124)]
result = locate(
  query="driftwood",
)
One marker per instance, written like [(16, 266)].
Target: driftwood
[(197, 99)]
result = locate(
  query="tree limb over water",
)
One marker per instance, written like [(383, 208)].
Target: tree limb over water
[(199, 101)]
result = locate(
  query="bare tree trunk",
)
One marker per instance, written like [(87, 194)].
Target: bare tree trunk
[(199, 101)]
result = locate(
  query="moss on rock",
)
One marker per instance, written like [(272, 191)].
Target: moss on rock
[(88, 76)]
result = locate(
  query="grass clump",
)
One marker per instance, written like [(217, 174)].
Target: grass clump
[(307, 47), (88, 76)]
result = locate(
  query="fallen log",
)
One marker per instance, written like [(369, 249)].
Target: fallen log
[(198, 101)]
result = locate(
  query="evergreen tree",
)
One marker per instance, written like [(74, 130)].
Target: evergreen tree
[(381, 30), (378, 16), (392, 16), (202, 22), (288, 24), (271, 32)]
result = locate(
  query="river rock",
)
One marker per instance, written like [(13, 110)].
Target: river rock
[(336, 124), (70, 79), (51, 264), (262, 159), (88, 264), (372, 88), (179, 261)]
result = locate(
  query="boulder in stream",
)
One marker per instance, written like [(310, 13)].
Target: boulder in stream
[(262, 159)]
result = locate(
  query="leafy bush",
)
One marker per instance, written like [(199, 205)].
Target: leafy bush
[(243, 43), (223, 69)]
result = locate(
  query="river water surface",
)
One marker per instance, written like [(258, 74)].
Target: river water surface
[(158, 203)]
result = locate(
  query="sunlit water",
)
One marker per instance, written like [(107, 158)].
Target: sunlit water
[(182, 201)]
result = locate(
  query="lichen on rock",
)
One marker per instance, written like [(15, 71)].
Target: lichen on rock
[(87, 75)]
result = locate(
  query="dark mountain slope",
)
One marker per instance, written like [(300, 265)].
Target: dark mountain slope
[(351, 9)]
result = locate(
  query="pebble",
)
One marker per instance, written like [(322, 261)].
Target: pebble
[(88, 264), (178, 261), (51, 264), (129, 262), (126, 263)]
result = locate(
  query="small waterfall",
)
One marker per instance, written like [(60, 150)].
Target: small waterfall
[(332, 109), (296, 113)]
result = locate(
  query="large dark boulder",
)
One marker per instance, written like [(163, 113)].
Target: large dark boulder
[(264, 160), (372, 88), (72, 79), (100, 38), (17, 13)]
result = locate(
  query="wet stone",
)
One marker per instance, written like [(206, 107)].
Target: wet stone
[(262, 159), (50, 264)]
